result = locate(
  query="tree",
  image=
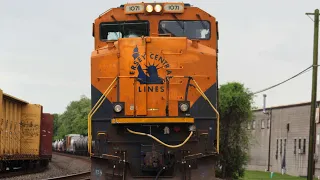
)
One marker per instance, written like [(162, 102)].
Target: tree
[(55, 124), (74, 119), (235, 108)]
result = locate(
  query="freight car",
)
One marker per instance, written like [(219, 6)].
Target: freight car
[(73, 144), (154, 86), (25, 135)]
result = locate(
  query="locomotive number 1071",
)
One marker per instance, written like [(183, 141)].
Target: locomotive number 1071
[(134, 8), (173, 8)]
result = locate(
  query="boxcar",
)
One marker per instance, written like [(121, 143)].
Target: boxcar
[(46, 136), (25, 135)]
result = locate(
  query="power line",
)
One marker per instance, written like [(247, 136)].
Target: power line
[(304, 71)]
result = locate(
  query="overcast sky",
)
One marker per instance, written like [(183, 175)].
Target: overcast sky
[(45, 47)]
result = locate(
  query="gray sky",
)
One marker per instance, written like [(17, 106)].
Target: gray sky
[(46, 47)]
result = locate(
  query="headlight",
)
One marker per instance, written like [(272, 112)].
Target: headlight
[(117, 108), (184, 107), (149, 8), (158, 8)]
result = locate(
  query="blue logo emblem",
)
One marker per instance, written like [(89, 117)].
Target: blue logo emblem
[(149, 74)]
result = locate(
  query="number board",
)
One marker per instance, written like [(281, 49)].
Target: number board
[(133, 8), (173, 8)]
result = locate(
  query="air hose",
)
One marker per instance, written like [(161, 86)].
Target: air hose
[(157, 177), (159, 141), (191, 132)]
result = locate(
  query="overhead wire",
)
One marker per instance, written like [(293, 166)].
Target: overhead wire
[(304, 71)]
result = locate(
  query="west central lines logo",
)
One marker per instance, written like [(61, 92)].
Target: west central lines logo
[(148, 71)]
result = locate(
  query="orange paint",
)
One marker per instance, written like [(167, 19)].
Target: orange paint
[(161, 54)]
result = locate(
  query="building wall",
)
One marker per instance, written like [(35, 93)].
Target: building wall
[(297, 118), (259, 143)]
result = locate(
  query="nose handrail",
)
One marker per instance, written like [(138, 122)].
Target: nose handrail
[(171, 53), (108, 90), (218, 115), (162, 34), (187, 139), (207, 99), (94, 110)]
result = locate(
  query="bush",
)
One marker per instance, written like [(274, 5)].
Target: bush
[(236, 112)]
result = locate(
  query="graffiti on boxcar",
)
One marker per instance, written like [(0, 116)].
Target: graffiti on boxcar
[(30, 125), (29, 130)]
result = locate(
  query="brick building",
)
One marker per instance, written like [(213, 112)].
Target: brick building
[(287, 145)]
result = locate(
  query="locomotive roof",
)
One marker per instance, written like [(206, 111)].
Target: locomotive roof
[(185, 4)]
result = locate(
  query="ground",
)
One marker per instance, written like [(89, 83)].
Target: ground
[(258, 175), (59, 166)]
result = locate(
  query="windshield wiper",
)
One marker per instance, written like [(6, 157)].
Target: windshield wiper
[(177, 20), (202, 23)]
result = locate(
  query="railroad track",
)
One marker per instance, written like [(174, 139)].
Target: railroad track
[(85, 158), (20, 172), (79, 176)]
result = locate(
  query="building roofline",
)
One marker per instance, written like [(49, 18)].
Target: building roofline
[(285, 106)]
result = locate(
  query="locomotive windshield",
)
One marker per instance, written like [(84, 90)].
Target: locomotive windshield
[(115, 30), (189, 29)]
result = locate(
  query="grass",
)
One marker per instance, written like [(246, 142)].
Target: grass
[(260, 175)]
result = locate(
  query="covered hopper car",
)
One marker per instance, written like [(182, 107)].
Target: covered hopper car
[(25, 134), (154, 89)]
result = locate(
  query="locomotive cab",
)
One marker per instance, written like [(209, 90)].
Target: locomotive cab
[(154, 92)]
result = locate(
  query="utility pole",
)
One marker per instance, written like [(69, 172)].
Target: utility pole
[(311, 161)]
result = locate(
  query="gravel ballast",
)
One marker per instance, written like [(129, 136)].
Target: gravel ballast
[(59, 166)]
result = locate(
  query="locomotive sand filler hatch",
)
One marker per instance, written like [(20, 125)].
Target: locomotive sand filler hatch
[(154, 87)]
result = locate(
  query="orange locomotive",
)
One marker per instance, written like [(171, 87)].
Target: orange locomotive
[(154, 88)]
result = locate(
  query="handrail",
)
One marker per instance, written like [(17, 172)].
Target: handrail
[(165, 34), (108, 90), (100, 101), (218, 115), (171, 53), (185, 141)]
